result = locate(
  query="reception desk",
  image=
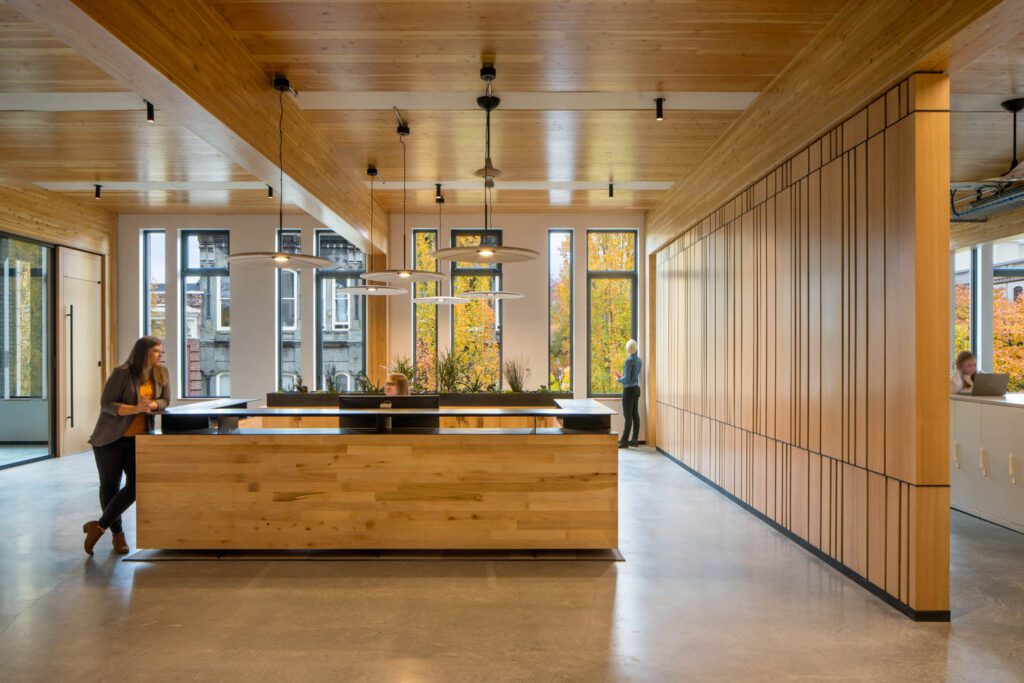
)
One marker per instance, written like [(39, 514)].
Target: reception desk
[(235, 484), (987, 448)]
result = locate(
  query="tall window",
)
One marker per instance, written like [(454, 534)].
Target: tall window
[(154, 284), (560, 310), (1008, 310), (962, 300), (341, 340), (424, 316), (24, 333), (205, 312), (289, 329), (476, 326), (611, 305)]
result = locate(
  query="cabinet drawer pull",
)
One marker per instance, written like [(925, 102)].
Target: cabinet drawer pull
[(956, 454), (1013, 473), (981, 462)]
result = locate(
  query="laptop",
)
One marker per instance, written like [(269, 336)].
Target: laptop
[(990, 384)]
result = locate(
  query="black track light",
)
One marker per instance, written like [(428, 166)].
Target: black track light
[(611, 190), (437, 192), (659, 105), (99, 191), (150, 112), (270, 191)]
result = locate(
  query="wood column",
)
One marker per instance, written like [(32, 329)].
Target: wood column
[(801, 346)]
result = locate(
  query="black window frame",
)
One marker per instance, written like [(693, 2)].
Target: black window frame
[(184, 271), (572, 304), (437, 291), (145, 272), (279, 328), (632, 275), (494, 271), (323, 274)]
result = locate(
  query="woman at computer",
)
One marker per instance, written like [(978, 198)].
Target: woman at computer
[(132, 392), (629, 378), (961, 381)]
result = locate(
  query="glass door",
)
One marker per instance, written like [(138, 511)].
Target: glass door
[(25, 351)]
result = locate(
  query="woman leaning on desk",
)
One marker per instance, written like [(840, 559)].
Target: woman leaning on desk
[(132, 392)]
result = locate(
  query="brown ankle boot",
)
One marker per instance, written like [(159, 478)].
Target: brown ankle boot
[(120, 544), (92, 531)]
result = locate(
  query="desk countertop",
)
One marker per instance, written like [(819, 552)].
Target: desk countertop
[(566, 408), (1009, 401)]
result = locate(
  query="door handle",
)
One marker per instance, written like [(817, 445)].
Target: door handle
[(70, 315)]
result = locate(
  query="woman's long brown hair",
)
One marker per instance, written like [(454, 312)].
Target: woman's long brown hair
[(137, 361)]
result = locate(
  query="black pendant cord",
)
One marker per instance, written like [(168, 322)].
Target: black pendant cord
[(280, 167), (1015, 163), (405, 235)]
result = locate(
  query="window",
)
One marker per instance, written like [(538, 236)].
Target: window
[(205, 312), (24, 333), (341, 341), (611, 305), (289, 335), (560, 310), (962, 300), (154, 284), (424, 316), (476, 326), (222, 383), (1008, 310)]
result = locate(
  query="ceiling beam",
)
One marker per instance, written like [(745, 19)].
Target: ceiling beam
[(182, 56), (997, 227), (869, 46)]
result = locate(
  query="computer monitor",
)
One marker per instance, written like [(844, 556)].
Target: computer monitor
[(398, 422)]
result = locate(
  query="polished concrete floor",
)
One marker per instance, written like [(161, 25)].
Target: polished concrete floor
[(707, 592), (11, 454)]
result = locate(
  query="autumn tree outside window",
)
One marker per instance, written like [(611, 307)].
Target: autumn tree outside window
[(611, 306)]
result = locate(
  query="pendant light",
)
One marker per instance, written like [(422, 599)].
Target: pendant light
[(404, 274), (440, 300), (484, 252), (372, 288), (280, 259)]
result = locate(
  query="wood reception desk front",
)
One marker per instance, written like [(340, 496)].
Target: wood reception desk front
[(329, 488)]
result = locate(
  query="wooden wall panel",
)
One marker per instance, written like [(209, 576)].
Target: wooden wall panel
[(796, 326)]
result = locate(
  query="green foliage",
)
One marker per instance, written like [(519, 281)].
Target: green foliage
[(425, 338), (474, 325), (611, 306), (365, 386), (451, 373), (404, 366), (516, 372), (560, 312)]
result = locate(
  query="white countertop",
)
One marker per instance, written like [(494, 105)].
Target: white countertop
[(1010, 400)]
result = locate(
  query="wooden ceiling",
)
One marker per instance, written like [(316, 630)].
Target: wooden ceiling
[(361, 46)]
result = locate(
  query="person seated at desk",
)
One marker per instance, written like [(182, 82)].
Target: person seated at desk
[(961, 381), (396, 384)]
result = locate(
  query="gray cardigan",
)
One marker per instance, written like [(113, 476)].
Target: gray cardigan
[(122, 389)]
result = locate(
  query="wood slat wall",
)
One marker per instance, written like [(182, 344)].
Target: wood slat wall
[(801, 345)]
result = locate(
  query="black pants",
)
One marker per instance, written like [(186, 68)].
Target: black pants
[(631, 411), (112, 461)]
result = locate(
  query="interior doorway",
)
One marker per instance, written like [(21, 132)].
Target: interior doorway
[(80, 370)]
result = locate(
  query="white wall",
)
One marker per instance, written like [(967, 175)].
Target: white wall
[(525, 320), (253, 295)]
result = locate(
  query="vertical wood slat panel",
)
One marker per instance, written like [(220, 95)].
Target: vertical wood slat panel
[(790, 319)]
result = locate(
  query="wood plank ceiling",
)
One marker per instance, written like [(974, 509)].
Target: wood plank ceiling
[(349, 51)]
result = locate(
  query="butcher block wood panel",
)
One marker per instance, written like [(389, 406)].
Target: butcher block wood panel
[(461, 422), (798, 323), (376, 491)]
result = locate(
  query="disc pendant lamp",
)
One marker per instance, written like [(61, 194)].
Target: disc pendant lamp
[(280, 259), (372, 288), (440, 300), (484, 252), (406, 273)]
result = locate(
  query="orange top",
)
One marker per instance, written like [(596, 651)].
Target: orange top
[(139, 424)]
